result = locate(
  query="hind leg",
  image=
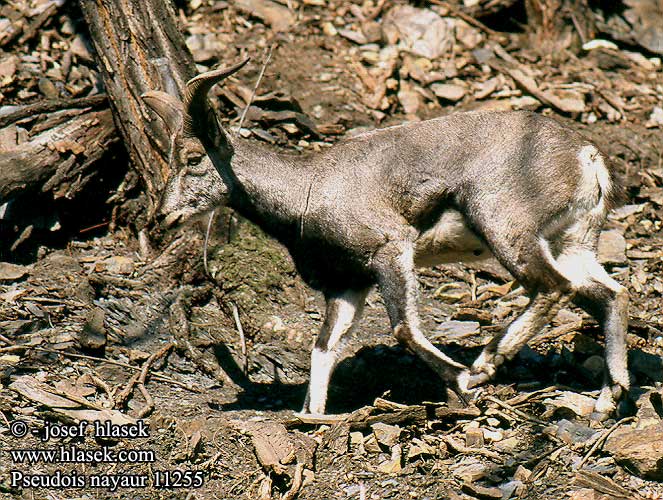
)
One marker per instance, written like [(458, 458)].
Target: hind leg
[(542, 308), (591, 288), (548, 290), (607, 301)]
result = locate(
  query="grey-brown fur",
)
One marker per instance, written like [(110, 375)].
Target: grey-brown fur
[(370, 209)]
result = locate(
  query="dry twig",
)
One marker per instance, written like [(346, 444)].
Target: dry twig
[(602, 439), (526, 397), (255, 88), (101, 384), (555, 333), (515, 411), (139, 379), (242, 338)]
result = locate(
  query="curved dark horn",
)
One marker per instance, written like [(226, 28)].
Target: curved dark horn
[(197, 89), (169, 109)]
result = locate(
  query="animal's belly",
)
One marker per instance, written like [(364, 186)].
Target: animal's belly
[(449, 240)]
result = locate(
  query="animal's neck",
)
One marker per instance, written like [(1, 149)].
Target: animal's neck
[(269, 189)]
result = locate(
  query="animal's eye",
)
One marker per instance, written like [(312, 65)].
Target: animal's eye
[(194, 160)]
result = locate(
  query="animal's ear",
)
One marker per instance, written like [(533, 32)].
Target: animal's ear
[(168, 107)]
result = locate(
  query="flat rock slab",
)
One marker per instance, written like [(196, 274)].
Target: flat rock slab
[(387, 435), (456, 330), (275, 447), (639, 447), (579, 404), (276, 15), (12, 272), (483, 492), (612, 248), (639, 451)]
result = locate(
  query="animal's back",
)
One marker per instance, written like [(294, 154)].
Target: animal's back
[(410, 168)]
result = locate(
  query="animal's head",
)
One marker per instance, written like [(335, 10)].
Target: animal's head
[(199, 149)]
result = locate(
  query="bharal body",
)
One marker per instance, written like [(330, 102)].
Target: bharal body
[(370, 210)]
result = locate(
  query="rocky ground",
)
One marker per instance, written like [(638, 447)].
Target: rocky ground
[(97, 323)]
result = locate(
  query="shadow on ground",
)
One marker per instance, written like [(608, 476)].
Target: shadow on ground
[(392, 372)]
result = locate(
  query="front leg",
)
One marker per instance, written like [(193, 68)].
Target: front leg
[(342, 314), (394, 265)]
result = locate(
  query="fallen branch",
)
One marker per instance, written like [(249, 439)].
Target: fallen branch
[(518, 72), (50, 105), (60, 153)]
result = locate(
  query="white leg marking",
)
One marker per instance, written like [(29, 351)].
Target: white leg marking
[(574, 263), (539, 312), (605, 403), (583, 270), (520, 331), (615, 349), (346, 310), (411, 295), (322, 364)]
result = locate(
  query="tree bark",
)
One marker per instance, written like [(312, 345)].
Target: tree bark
[(140, 47), (59, 152)]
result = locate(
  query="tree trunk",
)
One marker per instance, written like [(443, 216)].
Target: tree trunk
[(53, 146), (140, 47)]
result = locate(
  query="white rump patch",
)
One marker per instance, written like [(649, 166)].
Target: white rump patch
[(594, 174)]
